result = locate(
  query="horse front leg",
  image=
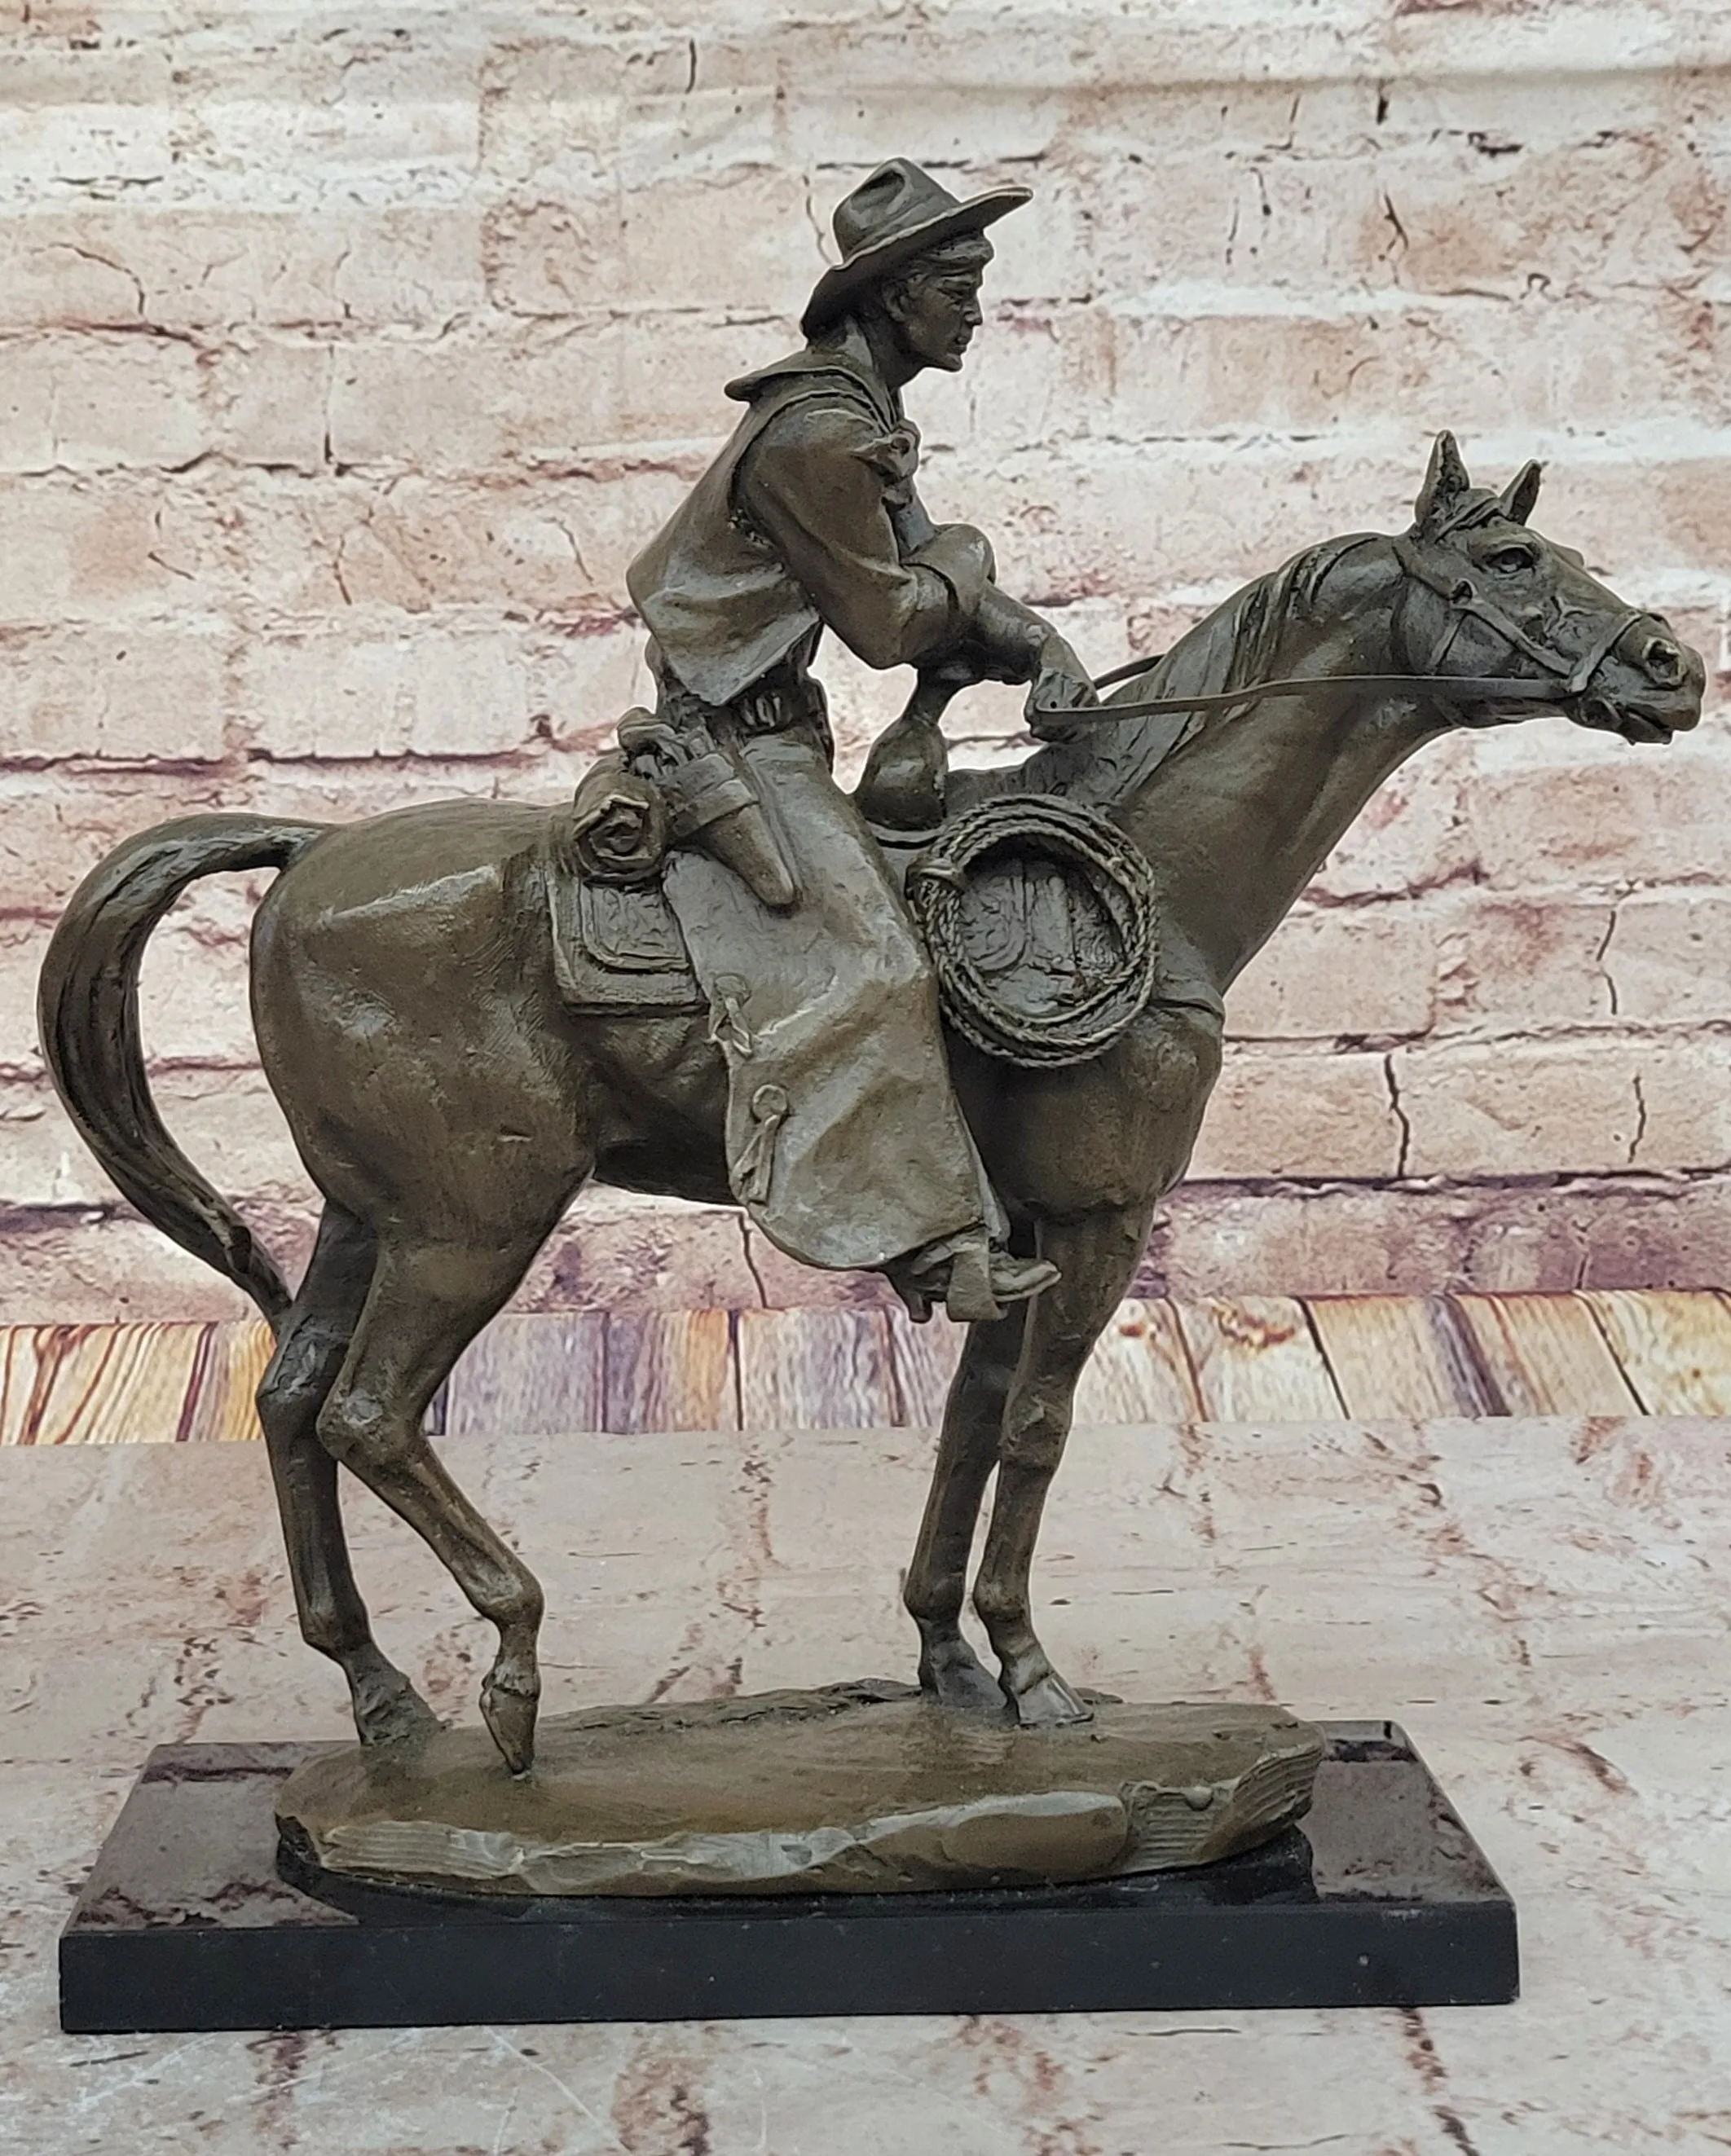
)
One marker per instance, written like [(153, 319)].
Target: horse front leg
[(1095, 1257), (936, 1583)]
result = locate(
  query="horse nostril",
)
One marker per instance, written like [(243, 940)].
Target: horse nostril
[(1663, 662)]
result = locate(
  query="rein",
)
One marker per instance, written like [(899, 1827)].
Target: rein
[(1467, 687), (1575, 676)]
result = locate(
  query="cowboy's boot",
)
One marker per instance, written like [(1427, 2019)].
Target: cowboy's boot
[(971, 1277)]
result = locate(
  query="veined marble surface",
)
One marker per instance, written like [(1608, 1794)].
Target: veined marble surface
[(1543, 1604)]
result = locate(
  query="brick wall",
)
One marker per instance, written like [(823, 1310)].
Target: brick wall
[(342, 370)]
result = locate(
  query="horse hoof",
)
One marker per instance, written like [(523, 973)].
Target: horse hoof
[(509, 1717), (961, 1684), (399, 1721), (389, 1710), (1049, 1703)]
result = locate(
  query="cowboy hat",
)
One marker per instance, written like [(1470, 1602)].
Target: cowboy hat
[(900, 212)]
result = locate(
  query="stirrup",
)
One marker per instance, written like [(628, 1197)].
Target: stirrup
[(973, 1281), (967, 1292)]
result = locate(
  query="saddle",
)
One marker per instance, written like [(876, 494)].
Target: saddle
[(617, 947), (1038, 914)]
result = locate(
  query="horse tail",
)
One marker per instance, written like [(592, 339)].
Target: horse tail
[(87, 1015)]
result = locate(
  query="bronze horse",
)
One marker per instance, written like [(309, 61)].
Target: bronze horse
[(449, 1107)]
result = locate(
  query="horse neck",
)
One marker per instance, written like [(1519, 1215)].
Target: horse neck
[(1238, 818)]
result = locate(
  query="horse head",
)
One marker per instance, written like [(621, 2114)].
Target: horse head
[(1487, 596)]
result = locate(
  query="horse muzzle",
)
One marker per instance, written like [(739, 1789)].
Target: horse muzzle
[(1649, 688)]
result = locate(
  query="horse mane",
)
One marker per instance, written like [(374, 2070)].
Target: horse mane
[(1236, 645)]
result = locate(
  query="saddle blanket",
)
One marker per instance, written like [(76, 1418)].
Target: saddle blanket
[(617, 947)]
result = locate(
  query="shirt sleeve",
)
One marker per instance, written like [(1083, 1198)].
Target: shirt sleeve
[(809, 485)]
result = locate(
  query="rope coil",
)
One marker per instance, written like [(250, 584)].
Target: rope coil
[(1118, 883)]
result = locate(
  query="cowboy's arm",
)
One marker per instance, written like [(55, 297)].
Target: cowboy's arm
[(814, 486), (808, 485), (1005, 640)]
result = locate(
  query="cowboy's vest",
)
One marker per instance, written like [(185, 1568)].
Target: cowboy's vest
[(716, 596)]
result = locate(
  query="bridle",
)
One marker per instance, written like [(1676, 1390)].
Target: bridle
[(1464, 601)]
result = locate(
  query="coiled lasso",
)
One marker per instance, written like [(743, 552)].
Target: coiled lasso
[(1090, 848)]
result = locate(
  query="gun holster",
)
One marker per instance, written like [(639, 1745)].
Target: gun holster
[(710, 803)]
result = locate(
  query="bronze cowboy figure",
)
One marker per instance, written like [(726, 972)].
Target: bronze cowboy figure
[(844, 1138)]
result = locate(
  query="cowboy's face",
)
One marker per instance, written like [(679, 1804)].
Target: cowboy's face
[(937, 312)]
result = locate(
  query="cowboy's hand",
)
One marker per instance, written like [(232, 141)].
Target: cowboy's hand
[(1060, 685)]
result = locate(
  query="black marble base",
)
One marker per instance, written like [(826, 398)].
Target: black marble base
[(1381, 1899)]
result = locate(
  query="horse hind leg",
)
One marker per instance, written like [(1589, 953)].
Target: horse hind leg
[(310, 1350), (427, 1302)]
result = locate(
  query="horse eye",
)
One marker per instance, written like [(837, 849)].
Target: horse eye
[(1511, 560)]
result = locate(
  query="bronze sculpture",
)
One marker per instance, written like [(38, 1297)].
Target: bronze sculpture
[(453, 1072)]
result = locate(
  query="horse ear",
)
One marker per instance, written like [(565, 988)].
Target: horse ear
[(1516, 499), (1444, 482)]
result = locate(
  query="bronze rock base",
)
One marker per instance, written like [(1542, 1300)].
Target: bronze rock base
[(864, 1787)]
